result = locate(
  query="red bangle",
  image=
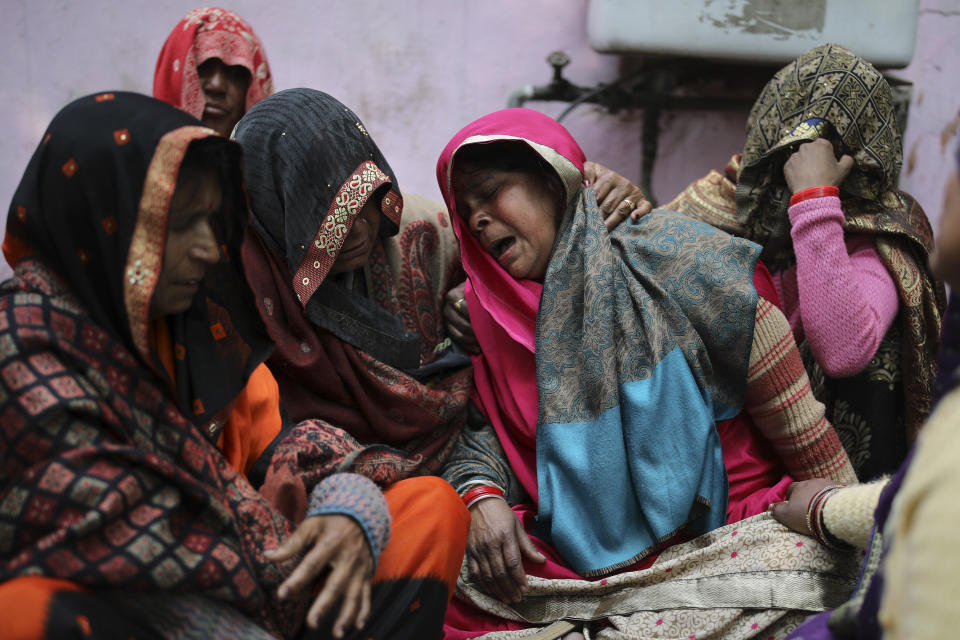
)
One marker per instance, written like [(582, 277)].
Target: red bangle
[(481, 491), (814, 192)]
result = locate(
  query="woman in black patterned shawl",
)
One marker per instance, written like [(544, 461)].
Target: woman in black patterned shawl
[(138, 417)]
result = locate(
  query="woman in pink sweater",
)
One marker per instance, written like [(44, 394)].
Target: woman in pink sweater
[(816, 187)]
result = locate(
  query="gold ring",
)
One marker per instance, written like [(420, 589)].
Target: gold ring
[(458, 305), (630, 203)]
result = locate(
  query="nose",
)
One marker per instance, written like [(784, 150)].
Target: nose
[(205, 247), (478, 220), (215, 79)]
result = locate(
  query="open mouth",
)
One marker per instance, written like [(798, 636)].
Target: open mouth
[(502, 246)]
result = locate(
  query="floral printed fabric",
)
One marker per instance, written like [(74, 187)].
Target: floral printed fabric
[(751, 579)]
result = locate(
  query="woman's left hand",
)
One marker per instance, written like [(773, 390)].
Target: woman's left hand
[(616, 196), (793, 511), (814, 164), (456, 317), (337, 543)]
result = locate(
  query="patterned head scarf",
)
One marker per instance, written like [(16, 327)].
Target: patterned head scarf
[(203, 34), (308, 176), (365, 356), (828, 92), (93, 204), (90, 404), (831, 92)]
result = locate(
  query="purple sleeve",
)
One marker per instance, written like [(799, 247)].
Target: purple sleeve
[(847, 298)]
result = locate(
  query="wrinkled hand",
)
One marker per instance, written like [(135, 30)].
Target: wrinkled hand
[(614, 195), (456, 317), (335, 542), (814, 164), (495, 543), (793, 511)]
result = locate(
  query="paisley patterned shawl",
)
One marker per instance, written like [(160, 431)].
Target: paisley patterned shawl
[(641, 344), (374, 359), (207, 33), (110, 477), (831, 92)]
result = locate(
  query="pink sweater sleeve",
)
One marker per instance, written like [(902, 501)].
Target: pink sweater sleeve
[(847, 298)]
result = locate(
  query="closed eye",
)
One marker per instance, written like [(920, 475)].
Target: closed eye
[(490, 191), (184, 222)]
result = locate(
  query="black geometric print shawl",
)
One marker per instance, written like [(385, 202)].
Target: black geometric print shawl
[(109, 477)]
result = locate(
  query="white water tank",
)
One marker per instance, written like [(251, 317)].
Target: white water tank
[(762, 31)]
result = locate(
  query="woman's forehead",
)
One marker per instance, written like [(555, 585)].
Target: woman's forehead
[(467, 175)]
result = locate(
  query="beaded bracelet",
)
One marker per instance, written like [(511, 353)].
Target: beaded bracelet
[(814, 192), (482, 492)]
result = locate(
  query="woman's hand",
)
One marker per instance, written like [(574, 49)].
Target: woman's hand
[(495, 543), (793, 511), (815, 165), (616, 195), (456, 317), (337, 543)]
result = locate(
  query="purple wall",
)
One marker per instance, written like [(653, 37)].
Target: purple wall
[(416, 71)]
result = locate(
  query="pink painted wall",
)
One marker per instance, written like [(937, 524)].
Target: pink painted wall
[(417, 70)]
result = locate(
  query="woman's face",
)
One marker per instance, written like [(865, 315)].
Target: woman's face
[(513, 214), (945, 259), (225, 94), (191, 244), (360, 241)]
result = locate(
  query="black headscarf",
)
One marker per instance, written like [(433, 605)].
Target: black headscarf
[(364, 350), (293, 189), (93, 205), (308, 174)]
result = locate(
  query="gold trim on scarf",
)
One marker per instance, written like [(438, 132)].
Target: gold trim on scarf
[(337, 224), (145, 257)]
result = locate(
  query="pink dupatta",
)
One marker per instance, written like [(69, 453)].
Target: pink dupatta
[(503, 310)]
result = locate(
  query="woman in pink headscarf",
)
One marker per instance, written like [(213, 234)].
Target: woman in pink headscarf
[(213, 66), (642, 390)]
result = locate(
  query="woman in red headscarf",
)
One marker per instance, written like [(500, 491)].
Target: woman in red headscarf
[(214, 67)]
